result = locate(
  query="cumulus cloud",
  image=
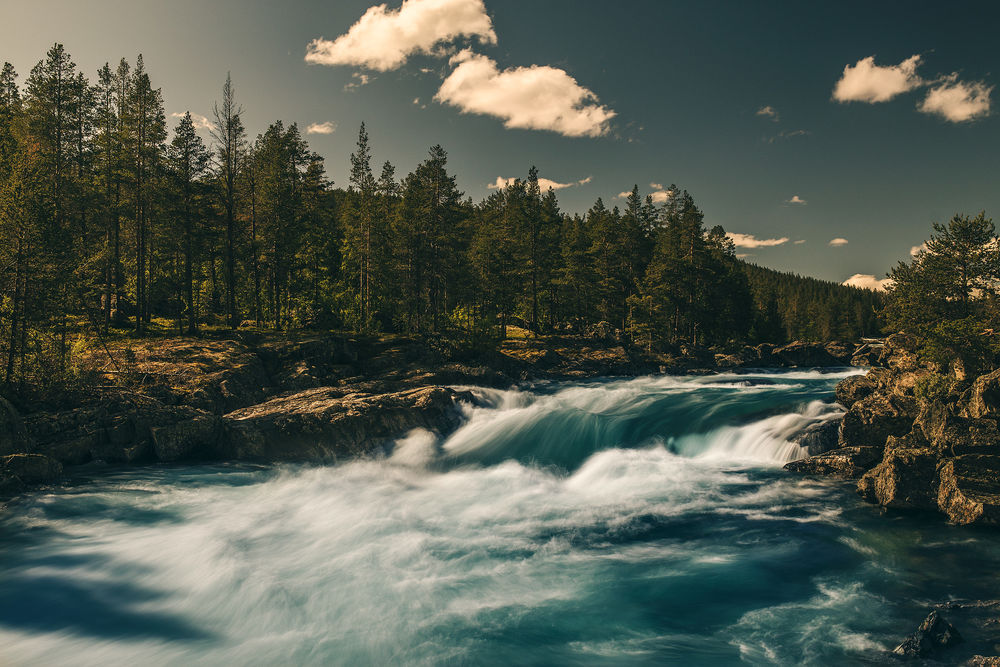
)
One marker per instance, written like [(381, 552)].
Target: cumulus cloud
[(868, 281), (530, 98), (200, 122), (383, 39), (868, 82), (917, 249), (544, 184), (768, 112), (656, 186), (751, 241), (327, 127), (957, 101), (838, 242), (796, 200), (661, 196)]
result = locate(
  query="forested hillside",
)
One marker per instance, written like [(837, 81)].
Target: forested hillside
[(111, 222)]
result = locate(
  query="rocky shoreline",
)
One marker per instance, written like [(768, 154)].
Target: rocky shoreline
[(918, 437), (317, 398)]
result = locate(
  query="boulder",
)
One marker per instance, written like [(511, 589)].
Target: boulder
[(870, 421), (983, 661), (900, 352), (820, 437), (324, 425), (845, 462), (805, 354), (852, 389), (905, 479), (31, 468), (933, 635), (867, 355), (983, 398), (13, 437), (969, 491), (188, 439), (842, 352)]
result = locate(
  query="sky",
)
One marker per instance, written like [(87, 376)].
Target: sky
[(825, 137)]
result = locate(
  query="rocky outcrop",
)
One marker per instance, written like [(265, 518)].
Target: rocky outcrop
[(915, 449), (969, 490), (845, 462), (324, 425), (13, 437), (906, 478), (870, 421), (933, 636), (20, 470)]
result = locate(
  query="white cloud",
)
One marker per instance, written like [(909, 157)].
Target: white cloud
[(656, 186), (957, 101), (200, 122), (796, 200), (384, 38), (868, 82), (800, 242), (751, 241), (544, 184), (357, 80), (661, 196), (868, 281), (838, 242), (917, 249), (768, 112), (327, 127), (531, 98)]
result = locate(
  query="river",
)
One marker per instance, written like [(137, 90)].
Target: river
[(612, 522)]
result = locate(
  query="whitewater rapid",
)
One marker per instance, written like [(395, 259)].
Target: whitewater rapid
[(608, 522)]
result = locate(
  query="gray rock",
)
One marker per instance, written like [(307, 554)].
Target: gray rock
[(933, 635)]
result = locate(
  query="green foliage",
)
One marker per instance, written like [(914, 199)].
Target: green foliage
[(947, 295), (933, 387)]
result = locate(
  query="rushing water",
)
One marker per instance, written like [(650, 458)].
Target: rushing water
[(641, 521)]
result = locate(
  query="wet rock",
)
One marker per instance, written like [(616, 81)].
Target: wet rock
[(323, 424), (933, 635), (195, 438), (845, 462), (852, 389), (842, 352), (905, 478), (820, 437), (983, 398), (870, 421), (32, 468), (969, 491)]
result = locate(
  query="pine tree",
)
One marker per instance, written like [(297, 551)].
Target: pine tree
[(230, 139)]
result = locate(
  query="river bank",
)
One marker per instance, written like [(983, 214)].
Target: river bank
[(319, 398)]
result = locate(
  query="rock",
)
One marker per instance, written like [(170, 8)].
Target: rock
[(189, 439), (745, 357), (31, 468), (933, 635), (765, 355), (805, 354), (870, 421), (983, 661), (842, 352), (867, 354), (852, 389), (900, 352), (13, 437), (984, 396), (845, 462), (820, 437), (905, 479), (969, 492), (323, 424)]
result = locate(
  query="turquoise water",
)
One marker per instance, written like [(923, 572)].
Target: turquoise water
[(641, 521)]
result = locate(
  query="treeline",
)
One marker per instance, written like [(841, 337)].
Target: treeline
[(791, 307), (111, 220)]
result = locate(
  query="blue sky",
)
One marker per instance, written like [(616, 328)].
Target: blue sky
[(733, 101)]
